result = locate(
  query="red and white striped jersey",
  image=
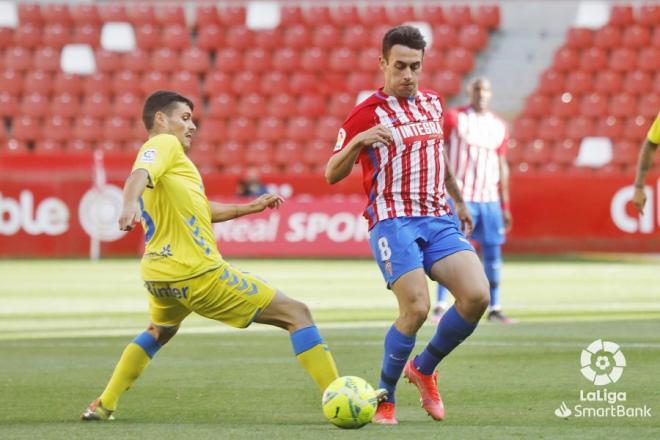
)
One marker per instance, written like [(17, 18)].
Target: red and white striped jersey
[(474, 142), (406, 177)]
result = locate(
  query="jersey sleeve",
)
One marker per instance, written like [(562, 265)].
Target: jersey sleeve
[(156, 156), (356, 123), (449, 121), (654, 132)]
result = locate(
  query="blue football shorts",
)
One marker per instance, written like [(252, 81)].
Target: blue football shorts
[(402, 244), (488, 222)]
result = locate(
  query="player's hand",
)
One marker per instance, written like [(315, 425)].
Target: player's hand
[(375, 134), (508, 220), (272, 201), (639, 199), (464, 216), (130, 215)]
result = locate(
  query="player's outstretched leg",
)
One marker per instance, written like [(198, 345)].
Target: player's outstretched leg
[(440, 304), (492, 267), (308, 346), (132, 362), (462, 273)]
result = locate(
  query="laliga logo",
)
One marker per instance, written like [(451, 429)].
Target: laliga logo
[(98, 212), (602, 362)]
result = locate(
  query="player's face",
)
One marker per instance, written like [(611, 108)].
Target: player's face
[(178, 122), (402, 68), (480, 94)]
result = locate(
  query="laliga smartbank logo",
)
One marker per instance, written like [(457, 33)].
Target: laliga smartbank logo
[(602, 363)]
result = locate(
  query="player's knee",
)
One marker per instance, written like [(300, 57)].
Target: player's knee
[(415, 314), (161, 333), (302, 314)]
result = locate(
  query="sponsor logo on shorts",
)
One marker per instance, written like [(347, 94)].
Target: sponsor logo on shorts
[(388, 267), (167, 292)]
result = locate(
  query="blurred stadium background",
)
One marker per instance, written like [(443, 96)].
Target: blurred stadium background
[(578, 82)]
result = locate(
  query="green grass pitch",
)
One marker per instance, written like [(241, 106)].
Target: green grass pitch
[(64, 323)]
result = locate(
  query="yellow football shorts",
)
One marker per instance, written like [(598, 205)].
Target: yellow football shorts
[(224, 294)]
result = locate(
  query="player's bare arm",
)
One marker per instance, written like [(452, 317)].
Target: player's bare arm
[(504, 194), (340, 165), (461, 209), (644, 163), (133, 189), (221, 212)]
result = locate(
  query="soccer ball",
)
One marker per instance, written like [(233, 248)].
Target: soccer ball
[(349, 402)]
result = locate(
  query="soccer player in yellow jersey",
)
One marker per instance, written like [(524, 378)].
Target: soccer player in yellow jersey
[(649, 147), (182, 268)]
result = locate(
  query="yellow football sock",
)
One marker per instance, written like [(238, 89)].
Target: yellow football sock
[(319, 363), (131, 364)]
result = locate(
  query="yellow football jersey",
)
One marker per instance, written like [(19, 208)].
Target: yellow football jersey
[(176, 216), (654, 132)]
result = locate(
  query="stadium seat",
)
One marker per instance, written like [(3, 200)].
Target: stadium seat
[(355, 37), (87, 128), (203, 156), (58, 128), (314, 60), (431, 13), (8, 104), (38, 81), (286, 153), (537, 152), (228, 60), (648, 59), (257, 60), (368, 14), (28, 36), (35, 105), (326, 84), (610, 127), (215, 82), (399, 14), (656, 84), (269, 39), (195, 60), (622, 15), (165, 60), (326, 36), (622, 60), (96, 105), (551, 81), (113, 12), (176, 37), (579, 82), (566, 59), (608, 82), (64, 104), (579, 38), (186, 83), (636, 128), (624, 152), (136, 61), (127, 105), (648, 14), (593, 59), (285, 60), (85, 14), (108, 61), (290, 15), (487, 16), (316, 15), (524, 129), (48, 146), (551, 129), (97, 83), (78, 146), (594, 105), (565, 105), (434, 60), (56, 35), (221, 106), (607, 37), (26, 128), (579, 127), (311, 105), (344, 15), (259, 152), (473, 37), (281, 105), (168, 14), (458, 15), (251, 105), (148, 37), (232, 15), (622, 105), (229, 153), (638, 82), (460, 60), (245, 82), (649, 105), (444, 36), (240, 129), (376, 35), (206, 15), (126, 81), (47, 59), (316, 153), (274, 82), (300, 128), (536, 105), (138, 134), (240, 38), (210, 37), (11, 82), (140, 13), (116, 129), (297, 37), (6, 37), (29, 13), (636, 37), (110, 147), (360, 81), (89, 34), (564, 152), (271, 129), (340, 104), (211, 130), (328, 129), (447, 83)]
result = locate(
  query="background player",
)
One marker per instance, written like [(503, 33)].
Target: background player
[(644, 163), (182, 268), (476, 141), (396, 136)]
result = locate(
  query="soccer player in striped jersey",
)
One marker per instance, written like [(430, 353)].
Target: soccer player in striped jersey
[(644, 163), (182, 268), (396, 137), (476, 141)]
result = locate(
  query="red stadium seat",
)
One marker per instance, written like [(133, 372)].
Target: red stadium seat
[(148, 37), (359, 81), (251, 105), (112, 148), (623, 60), (649, 105), (245, 82), (126, 82), (656, 84), (11, 82), (368, 60), (636, 128), (221, 106), (314, 60), (211, 130), (176, 37), (285, 60), (228, 60), (311, 105), (432, 13), (297, 37), (648, 59), (96, 105), (210, 37), (97, 83), (259, 152), (291, 15), (593, 59), (108, 61), (48, 146), (257, 60), (171, 15), (85, 14), (136, 61), (206, 15), (487, 16), (203, 156), (638, 82), (607, 37), (473, 37), (269, 39), (565, 152), (195, 60), (271, 129), (29, 13), (286, 152), (300, 128), (240, 38), (326, 84), (537, 105), (281, 106), (328, 129), (35, 105), (229, 153), (369, 14), (127, 105), (232, 15), (65, 104), (316, 153), (458, 15), (140, 14), (26, 129), (376, 35), (326, 36), (622, 15), (47, 58), (116, 129), (113, 12), (79, 146), (399, 14), (551, 129), (58, 128), (444, 36), (215, 82), (460, 60), (8, 104), (186, 83), (165, 60), (434, 61), (56, 13), (57, 35), (622, 105), (340, 104), (551, 81), (636, 37), (608, 82), (28, 36), (87, 129), (579, 82), (355, 37), (6, 37), (566, 59), (579, 38), (594, 105), (610, 127), (138, 134), (648, 14), (89, 34), (344, 15), (38, 81), (240, 129), (316, 15), (624, 152), (537, 152), (274, 82), (447, 83), (579, 127)]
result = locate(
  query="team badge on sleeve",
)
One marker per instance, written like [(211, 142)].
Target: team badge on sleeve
[(341, 137), (148, 156)]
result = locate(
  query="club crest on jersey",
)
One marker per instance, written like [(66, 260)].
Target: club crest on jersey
[(420, 131), (341, 137), (148, 156), (388, 267)]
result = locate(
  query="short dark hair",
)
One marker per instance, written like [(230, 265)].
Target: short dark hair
[(404, 35), (161, 101)]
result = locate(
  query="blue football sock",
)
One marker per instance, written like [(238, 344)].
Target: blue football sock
[(492, 267), (451, 331), (397, 349), (442, 294)]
